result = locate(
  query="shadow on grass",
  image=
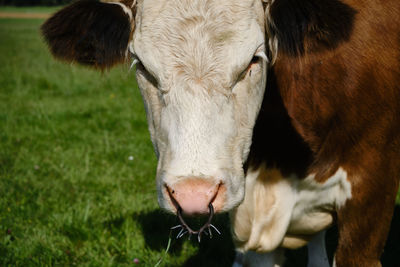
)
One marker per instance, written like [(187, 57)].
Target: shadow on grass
[(219, 251), (156, 228)]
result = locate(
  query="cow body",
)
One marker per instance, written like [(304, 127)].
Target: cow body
[(325, 136), (327, 140)]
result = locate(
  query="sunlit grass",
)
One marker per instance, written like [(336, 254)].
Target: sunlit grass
[(77, 166), (30, 9)]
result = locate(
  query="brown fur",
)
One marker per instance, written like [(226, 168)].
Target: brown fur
[(90, 32), (343, 99)]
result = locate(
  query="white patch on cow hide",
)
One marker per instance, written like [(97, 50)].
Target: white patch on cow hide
[(315, 199), (201, 102), (317, 256), (286, 211), (261, 221)]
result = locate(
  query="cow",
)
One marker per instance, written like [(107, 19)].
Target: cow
[(286, 113)]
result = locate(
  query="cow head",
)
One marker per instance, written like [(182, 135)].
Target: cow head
[(201, 69)]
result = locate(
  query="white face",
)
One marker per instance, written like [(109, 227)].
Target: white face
[(202, 75)]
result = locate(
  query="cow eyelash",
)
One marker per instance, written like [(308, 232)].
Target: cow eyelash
[(262, 56), (135, 60)]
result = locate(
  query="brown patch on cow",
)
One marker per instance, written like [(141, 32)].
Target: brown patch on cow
[(90, 33), (342, 96), (275, 142), (364, 221)]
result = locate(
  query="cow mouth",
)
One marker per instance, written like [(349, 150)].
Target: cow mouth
[(185, 228)]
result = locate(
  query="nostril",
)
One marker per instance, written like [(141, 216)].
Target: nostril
[(194, 195), (216, 192), (170, 193)]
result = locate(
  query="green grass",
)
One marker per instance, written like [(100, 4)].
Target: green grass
[(30, 9), (69, 195)]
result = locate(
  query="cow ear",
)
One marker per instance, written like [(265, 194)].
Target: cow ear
[(308, 26), (91, 32)]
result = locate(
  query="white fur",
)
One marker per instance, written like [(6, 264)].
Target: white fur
[(263, 218), (317, 256), (200, 110), (314, 199), (285, 211)]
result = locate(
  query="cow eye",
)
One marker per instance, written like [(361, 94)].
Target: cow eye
[(254, 61)]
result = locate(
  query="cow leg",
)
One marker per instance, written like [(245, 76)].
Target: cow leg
[(317, 256), (364, 223), (253, 259)]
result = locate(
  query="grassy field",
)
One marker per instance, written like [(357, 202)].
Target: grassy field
[(32, 9), (77, 168)]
